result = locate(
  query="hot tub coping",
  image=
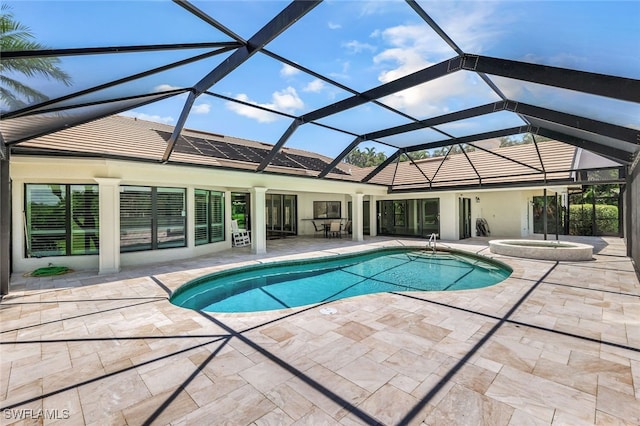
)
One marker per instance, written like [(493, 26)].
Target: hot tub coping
[(542, 249)]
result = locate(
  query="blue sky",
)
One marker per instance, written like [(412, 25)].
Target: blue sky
[(360, 44)]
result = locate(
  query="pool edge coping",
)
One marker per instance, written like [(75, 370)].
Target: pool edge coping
[(278, 261)]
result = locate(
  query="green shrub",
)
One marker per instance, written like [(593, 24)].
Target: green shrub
[(581, 219)]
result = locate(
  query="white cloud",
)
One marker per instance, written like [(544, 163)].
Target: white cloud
[(431, 98), (148, 117), (411, 48), (333, 26), (515, 89), (410, 36), (344, 73), (257, 114), (355, 46), (407, 61), (563, 60), (473, 25), (286, 100), (288, 70), (165, 88), (201, 108), (314, 86), (374, 7)]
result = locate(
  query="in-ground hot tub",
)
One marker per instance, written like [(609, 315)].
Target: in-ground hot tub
[(542, 249)]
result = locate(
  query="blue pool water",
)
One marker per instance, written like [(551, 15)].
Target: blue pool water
[(281, 285)]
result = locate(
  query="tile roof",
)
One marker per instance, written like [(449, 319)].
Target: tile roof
[(130, 138), (125, 137), (550, 160)]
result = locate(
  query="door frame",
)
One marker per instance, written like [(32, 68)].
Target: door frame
[(464, 218)]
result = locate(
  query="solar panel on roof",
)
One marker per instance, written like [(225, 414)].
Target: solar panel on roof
[(282, 160), (182, 146), (187, 148), (164, 135), (237, 152), (312, 163), (208, 151), (225, 150), (256, 154)]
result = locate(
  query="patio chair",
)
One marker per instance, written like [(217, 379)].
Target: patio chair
[(334, 229), (346, 230), (319, 229), (239, 237)]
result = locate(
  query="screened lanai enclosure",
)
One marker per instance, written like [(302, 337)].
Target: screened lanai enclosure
[(415, 96)]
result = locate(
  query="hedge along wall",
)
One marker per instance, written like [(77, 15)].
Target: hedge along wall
[(633, 213), (581, 219)]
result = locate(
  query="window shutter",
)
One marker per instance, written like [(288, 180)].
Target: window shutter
[(171, 216), (135, 218), (217, 216), (201, 217)]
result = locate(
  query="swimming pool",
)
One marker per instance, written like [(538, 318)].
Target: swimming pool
[(281, 285)]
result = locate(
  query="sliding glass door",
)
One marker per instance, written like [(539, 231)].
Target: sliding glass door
[(409, 217), (430, 217), (281, 214)]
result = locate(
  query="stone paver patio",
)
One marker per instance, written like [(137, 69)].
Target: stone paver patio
[(555, 343)]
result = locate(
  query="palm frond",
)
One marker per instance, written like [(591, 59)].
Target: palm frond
[(16, 89), (8, 100), (31, 67), (15, 36)]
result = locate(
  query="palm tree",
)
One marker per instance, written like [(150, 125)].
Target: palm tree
[(367, 158), (15, 36)]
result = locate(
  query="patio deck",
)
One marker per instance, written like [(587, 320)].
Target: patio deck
[(557, 342)]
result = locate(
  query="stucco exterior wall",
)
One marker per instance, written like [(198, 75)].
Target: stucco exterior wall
[(508, 212), (32, 169), (448, 215), (505, 211), (502, 211)]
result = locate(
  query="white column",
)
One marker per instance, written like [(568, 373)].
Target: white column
[(190, 205), (356, 225), (258, 220), (109, 201), (373, 216), (228, 210)]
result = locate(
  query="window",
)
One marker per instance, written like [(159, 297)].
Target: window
[(151, 218), (61, 220), (209, 216), (327, 210)]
